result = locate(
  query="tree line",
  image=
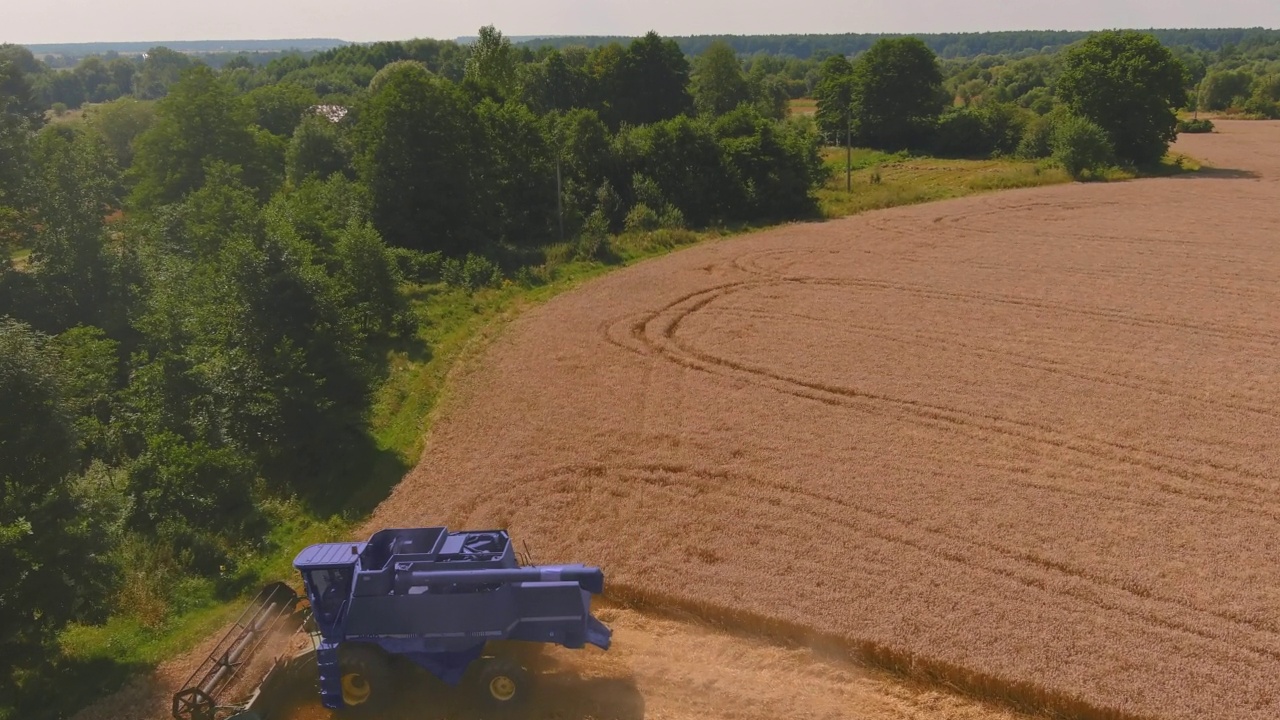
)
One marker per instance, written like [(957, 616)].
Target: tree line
[(213, 278), (1111, 98), (946, 45)]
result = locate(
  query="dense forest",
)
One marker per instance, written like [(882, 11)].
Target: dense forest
[(212, 268), (211, 261)]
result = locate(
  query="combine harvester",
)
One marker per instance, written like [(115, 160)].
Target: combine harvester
[(442, 600)]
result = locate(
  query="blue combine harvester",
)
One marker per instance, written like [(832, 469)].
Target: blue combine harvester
[(439, 599)]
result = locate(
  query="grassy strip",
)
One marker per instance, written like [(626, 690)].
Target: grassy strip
[(456, 325)]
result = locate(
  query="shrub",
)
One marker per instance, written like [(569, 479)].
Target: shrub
[(1262, 107), (595, 233), (641, 218), (1202, 125), (1037, 138), (472, 272), (59, 109), (416, 266), (1080, 146)]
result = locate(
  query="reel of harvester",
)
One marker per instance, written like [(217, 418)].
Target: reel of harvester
[(275, 609)]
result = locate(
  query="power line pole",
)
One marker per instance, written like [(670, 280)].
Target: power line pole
[(559, 197), (848, 147)]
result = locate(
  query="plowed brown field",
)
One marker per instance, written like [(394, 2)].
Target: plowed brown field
[(1027, 441)]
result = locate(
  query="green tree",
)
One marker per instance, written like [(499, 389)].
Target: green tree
[(554, 84), (519, 198), (719, 84), (417, 157), (492, 63), (19, 117), (896, 93), (120, 123), (122, 71), (54, 564), (279, 108), (1128, 84), (72, 275), (650, 83), (318, 149), (200, 120), (95, 78), (776, 165), (1080, 146), (1221, 89), (161, 70), (834, 93)]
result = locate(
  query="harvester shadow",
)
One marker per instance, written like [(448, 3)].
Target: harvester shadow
[(559, 693)]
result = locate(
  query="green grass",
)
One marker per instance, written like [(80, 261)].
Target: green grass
[(802, 106), (456, 326), (882, 180)]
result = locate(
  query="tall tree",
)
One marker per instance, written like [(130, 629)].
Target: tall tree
[(76, 184), (492, 63), (834, 93), (652, 82), (719, 84), (278, 108), (1129, 85), (896, 94), (161, 69), (53, 564), (19, 118), (417, 136), (200, 121)]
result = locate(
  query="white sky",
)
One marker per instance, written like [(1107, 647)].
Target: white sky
[(37, 21)]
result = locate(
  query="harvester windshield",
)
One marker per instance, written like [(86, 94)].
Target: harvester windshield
[(329, 588)]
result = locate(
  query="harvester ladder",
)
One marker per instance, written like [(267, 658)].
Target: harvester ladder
[(330, 675)]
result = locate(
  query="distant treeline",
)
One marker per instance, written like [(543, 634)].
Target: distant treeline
[(946, 45), (195, 47)]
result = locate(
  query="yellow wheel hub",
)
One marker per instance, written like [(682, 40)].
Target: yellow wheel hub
[(502, 688), (355, 690)]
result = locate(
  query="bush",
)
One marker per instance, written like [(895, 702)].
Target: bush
[(641, 218), (59, 109), (1080, 146), (1195, 126), (472, 272), (1262, 107), (416, 266), (1037, 138)]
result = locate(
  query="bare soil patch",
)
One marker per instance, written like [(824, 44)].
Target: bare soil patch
[(1027, 437)]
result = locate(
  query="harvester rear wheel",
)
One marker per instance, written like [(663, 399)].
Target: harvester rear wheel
[(504, 684), (368, 682)]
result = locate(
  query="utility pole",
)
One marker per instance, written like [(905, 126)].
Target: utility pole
[(848, 147), (559, 196)]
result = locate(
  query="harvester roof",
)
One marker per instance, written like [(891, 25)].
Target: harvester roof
[(327, 555)]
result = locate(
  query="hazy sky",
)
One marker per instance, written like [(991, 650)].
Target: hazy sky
[(37, 21)]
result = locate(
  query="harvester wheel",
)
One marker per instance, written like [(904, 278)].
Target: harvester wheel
[(367, 681), (504, 683)]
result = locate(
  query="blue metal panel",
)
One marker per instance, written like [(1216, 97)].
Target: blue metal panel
[(437, 597), (328, 555)]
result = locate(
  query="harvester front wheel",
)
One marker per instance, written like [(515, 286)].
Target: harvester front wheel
[(504, 683), (367, 681)]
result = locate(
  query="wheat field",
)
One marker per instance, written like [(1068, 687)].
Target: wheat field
[(1023, 443)]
